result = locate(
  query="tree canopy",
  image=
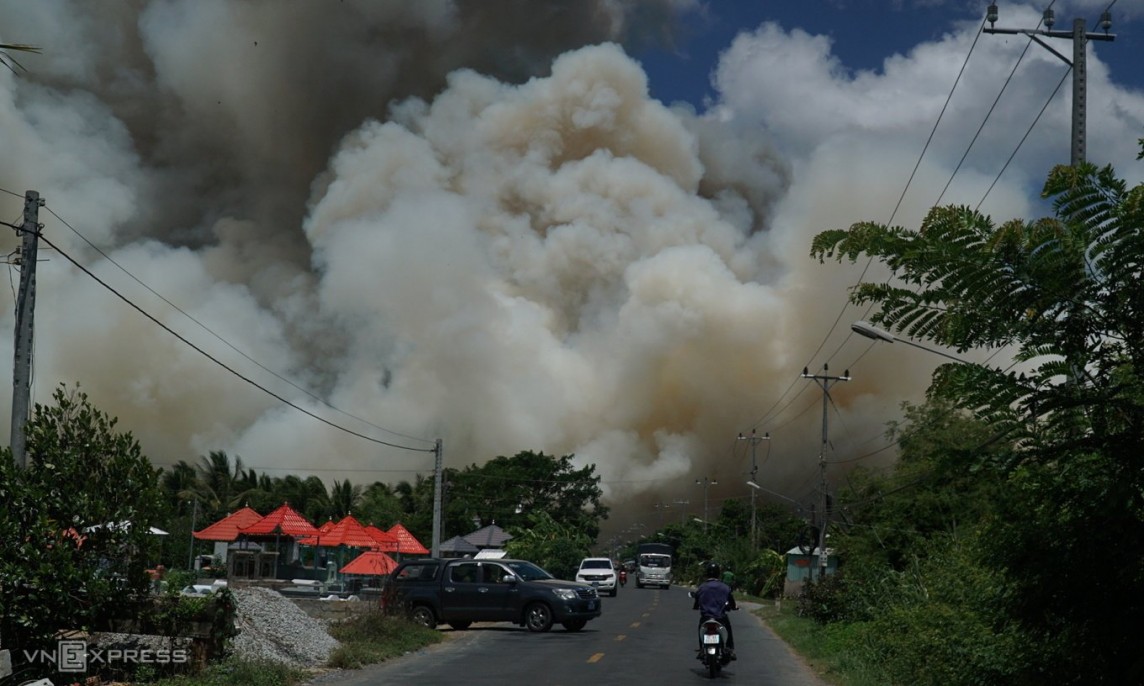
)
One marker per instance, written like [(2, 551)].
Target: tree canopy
[(75, 527), (1062, 294)]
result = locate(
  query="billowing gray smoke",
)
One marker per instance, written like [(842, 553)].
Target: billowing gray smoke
[(455, 219)]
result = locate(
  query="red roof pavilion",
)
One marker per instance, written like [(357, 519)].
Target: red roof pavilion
[(226, 529), (370, 563), (285, 521), (382, 537), (348, 532), (406, 542)]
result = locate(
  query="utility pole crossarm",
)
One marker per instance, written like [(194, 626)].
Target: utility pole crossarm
[(754, 439), (1078, 63)]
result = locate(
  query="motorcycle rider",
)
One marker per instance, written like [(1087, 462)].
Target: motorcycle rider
[(713, 598)]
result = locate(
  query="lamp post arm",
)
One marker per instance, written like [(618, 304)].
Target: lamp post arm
[(935, 352)]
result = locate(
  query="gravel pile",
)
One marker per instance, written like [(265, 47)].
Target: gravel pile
[(271, 627)]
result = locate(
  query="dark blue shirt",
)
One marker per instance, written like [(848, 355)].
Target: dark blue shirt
[(713, 598)]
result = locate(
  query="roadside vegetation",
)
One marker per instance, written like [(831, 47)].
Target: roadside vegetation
[(371, 637), (1007, 544)]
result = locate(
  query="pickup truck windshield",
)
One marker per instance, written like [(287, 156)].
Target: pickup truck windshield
[(528, 571)]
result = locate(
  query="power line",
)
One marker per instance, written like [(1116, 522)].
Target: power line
[(988, 114), (1023, 139), (222, 364), (893, 214)]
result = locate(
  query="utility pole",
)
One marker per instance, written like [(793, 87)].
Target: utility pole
[(1080, 39), (25, 309), (754, 439), (191, 549), (705, 482), (825, 381), (438, 478)]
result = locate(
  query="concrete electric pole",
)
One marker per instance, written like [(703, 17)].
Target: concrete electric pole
[(753, 483), (825, 381), (438, 479), (25, 309), (1079, 66)]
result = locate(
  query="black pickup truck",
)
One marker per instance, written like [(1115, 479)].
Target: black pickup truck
[(459, 592)]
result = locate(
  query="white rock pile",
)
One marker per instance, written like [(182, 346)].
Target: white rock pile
[(271, 627)]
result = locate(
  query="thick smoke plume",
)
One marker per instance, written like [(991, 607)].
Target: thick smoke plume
[(457, 219)]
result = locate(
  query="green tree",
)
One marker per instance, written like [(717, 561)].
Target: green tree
[(556, 547), (1064, 293), (220, 488), (344, 499), (506, 490), (380, 506), (75, 526)]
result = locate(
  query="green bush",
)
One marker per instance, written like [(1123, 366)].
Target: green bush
[(373, 636)]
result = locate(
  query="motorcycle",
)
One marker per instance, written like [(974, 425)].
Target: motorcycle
[(713, 637), (623, 577), (713, 645)]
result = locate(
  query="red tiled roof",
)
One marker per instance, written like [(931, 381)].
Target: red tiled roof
[(406, 543), (370, 563), (283, 521), (226, 529), (348, 532), (382, 537)]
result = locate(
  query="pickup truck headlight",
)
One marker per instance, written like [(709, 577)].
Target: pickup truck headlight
[(565, 593)]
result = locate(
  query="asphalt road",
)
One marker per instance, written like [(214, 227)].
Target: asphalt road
[(643, 634)]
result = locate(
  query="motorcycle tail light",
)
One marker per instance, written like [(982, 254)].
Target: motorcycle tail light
[(711, 628)]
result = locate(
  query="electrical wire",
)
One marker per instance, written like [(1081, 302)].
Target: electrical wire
[(224, 341), (988, 114), (222, 364), (1023, 139), (758, 423)]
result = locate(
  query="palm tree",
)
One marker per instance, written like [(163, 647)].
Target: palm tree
[(219, 488), (344, 499)]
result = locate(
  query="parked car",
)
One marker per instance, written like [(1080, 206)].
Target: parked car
[(459, 592), (600, 572)]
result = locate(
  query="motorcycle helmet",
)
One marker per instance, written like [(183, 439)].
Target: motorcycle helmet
[(713, 570)]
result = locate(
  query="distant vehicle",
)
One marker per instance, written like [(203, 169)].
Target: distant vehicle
[(599, 572), (459, 592), (653, 565)]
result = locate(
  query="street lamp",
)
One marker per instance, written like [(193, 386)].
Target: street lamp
[(864, 328), (754, 469), (706, 482)]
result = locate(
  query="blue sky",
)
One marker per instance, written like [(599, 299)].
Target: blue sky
[(822, 75), (864, 32)]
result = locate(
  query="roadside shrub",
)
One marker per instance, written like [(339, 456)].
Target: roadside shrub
[(824, 600), (374, 636)]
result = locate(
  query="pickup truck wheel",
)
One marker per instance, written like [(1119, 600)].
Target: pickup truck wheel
[(460, 626), (575, 624), (538, 618), (424, 616)]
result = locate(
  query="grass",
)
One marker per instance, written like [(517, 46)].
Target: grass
[(236, 671), (373, 637), (836, 652)]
